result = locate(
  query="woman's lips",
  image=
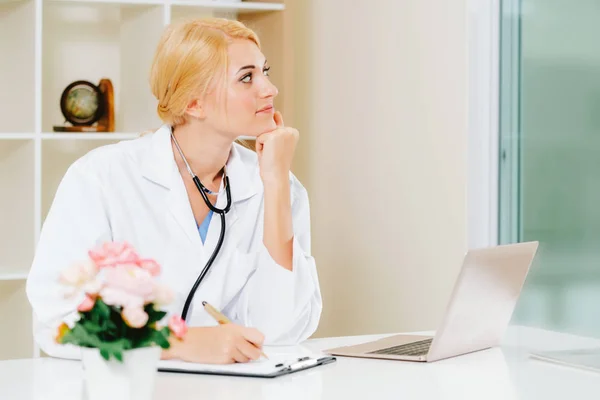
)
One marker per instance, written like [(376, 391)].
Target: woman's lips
[(266, 109)]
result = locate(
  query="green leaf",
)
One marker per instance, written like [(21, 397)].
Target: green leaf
[(105, 354), (102, 309), (144, 337), (81, 337), (111, 328), (115, 348), (153, 314), (161, 340), (166, 331), (92, 327)]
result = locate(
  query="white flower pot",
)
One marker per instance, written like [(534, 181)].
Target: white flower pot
[(133, 379)]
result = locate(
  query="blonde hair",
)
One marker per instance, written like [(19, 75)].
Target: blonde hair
[(190, 56)]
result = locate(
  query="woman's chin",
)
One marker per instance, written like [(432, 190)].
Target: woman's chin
[(261, 129), (250, 134)]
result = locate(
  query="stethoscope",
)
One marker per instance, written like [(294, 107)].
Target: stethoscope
[(221, 211)]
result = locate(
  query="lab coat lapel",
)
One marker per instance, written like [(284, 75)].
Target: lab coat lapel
[(178, 206), (159, 167)]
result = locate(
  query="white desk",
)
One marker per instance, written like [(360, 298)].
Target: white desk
[(504, 373)]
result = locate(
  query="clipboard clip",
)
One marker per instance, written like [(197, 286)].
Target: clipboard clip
[(307, 362), (303, 363)]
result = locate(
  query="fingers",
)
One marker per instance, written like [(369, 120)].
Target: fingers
[(260, 141), (259, 144), (248, 350), (278, 119), (254, 336), (238, 356)]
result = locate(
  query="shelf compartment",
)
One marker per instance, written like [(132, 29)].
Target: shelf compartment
[(16, 206), (94, 40), (17, 69), (17, 332)]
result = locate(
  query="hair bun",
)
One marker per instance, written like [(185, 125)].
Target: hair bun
[(162, 109)]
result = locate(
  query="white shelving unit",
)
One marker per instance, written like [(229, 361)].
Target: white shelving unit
[(47, 44)]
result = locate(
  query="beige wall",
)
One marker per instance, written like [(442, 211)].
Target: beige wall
[(381, 103)]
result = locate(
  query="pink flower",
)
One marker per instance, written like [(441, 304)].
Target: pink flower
[(135, 317), (127, 286), (86, 305), (79, 274), (80, 277), (93, 287), (114, 253), (151, 266), (162, 295), (120, 298), (131, 279), (178, 326)]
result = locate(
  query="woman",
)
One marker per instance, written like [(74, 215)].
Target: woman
[(211, 82)]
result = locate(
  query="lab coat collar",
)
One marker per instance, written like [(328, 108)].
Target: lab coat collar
[(158, 163), (243, 175), (159, 166)]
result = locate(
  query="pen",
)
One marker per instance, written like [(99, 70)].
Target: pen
[(222, 319)]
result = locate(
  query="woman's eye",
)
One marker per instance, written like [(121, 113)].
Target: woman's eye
[(246, 78), (266, 71)]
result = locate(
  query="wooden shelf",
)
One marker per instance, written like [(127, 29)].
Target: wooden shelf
[(89, 136), (122, 2), (239, 7), (17, 136), (232, 6), (12, 1), (15, 276)]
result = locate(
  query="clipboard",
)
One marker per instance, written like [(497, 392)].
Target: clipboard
[(272, 368)]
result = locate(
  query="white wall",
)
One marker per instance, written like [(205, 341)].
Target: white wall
[(381, 104)]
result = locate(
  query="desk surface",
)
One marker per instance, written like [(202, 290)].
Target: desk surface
[(503, 373)]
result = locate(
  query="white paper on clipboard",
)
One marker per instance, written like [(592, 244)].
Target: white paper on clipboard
[(282, 360)]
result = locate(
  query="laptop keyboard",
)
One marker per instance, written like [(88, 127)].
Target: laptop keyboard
[(420, 348)]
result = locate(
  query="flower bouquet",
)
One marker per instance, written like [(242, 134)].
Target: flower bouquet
[(119, 327)]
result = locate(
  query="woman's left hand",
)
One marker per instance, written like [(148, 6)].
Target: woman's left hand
[(275, 151)]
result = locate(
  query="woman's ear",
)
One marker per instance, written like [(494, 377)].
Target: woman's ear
[(196, 109)]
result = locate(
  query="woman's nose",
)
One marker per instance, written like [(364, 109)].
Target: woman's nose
[(268, 89)]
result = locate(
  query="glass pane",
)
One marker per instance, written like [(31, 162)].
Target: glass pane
[(550, 157)]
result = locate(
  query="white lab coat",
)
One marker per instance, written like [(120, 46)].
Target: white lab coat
[(132, 191)]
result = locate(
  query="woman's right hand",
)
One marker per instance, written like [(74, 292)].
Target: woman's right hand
[(223, 344)]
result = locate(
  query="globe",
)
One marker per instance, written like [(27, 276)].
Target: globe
[(80, 103)]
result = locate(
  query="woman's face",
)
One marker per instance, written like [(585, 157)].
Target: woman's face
[(245, 107)]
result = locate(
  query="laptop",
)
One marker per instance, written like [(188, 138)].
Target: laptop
[(479, 311)]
